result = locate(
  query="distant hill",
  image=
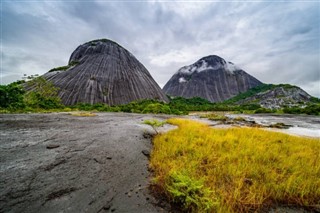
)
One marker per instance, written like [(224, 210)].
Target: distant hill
[(211, 78), (273, 96)]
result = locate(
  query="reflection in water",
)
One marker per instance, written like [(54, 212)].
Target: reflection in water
[(303, 131)]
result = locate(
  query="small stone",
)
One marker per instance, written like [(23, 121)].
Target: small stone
[(109, 158), (52, 146), (146, 153), (129, 194), (112, 210), (107, 207)]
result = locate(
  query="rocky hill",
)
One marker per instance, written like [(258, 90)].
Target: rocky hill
[(274, 96), (102, 71), (211, 78)]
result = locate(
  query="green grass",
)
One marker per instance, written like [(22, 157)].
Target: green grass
[(214, 117), (154, 124), (235, 170)]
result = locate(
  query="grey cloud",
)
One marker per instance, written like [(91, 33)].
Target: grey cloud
[(276, 42)]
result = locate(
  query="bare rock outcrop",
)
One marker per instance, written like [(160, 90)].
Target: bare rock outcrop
[(102, 71), (279, 96), (211, 78)]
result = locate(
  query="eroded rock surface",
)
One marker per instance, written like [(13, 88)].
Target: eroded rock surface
[(96, 165)]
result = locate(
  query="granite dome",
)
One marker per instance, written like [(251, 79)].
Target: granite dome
[(211, 78), (102, 71)]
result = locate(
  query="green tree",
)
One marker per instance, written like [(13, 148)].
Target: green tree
[(11, 96), (42, 94)]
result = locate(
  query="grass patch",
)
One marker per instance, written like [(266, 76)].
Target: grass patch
[(154, 124), (83, 114), (235, 170), (215, 117)]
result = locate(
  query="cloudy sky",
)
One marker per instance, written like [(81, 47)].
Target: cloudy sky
[(275, 41)]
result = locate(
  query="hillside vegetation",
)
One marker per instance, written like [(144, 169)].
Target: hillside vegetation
[(44, 98), (249, 93), (203, 169)]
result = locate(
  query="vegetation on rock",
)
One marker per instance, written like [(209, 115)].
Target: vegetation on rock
[(64, 68), (42, 94), (249, 93)]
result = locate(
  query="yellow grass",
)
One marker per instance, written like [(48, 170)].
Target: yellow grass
[(83, 114), (235, 170)]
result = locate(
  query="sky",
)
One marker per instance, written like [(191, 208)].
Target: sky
[(275, 41)]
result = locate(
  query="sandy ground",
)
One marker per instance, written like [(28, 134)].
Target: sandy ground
[(61, 163)]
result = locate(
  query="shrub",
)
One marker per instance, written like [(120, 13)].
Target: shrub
[(154, 124), (263, 110), (157, 108), (11, 96), (190, 193), (214, 117), (42, 94)]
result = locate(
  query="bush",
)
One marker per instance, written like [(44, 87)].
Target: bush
[(312, 109), (42, 94), (11, 96), (263, 110), (190, 193), (157, 108)]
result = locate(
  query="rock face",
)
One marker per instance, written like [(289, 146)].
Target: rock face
[(101, 71), (211, 78), (278, 97)]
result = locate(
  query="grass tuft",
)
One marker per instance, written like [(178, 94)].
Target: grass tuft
[(215, 117), (83, 114), (154, 123), (236, 169)]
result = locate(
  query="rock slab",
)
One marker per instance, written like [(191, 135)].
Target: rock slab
[(98, 162)]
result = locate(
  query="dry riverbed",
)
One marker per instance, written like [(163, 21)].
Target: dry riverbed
[(62, 163)]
